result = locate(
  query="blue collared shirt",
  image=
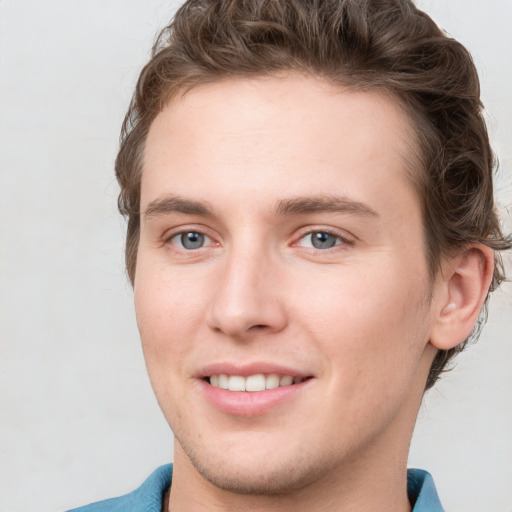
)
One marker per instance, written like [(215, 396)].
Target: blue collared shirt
[(148, 497), (422, 491)]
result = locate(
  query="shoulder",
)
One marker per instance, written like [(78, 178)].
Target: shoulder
[(148, 497), (422, 491)]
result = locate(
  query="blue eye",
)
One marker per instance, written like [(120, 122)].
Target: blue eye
[(189, 240), (320, 240)]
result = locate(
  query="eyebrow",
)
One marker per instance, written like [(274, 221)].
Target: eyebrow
[(293, 206), (176, 204), (324, 203)]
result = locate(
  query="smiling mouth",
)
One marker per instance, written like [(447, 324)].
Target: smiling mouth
[(253, 383)]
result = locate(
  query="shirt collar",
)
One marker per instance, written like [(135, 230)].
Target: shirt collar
[(422, 491)]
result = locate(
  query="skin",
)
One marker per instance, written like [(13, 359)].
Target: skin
[(359, 317)]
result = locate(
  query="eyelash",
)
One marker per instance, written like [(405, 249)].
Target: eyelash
[(340, 240), (170, 238)]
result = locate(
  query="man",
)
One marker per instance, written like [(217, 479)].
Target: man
[(311, 238)]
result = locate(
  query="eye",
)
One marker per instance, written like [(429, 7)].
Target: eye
[(320, 240), (190, 240)]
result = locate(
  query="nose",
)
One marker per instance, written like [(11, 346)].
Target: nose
[(248, 297)]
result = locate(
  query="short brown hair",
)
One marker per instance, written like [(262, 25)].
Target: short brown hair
[(362, 44)]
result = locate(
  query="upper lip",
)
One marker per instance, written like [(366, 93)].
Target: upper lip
[(247, 369)]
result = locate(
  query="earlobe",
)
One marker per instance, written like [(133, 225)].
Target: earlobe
[(463, 287)]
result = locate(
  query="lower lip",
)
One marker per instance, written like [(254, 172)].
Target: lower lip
[(250, 403)]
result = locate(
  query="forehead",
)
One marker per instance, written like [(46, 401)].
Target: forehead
[(289, 133)]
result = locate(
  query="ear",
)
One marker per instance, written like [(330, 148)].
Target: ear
[(460, 293)]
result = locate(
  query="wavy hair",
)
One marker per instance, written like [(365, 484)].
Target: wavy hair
[(362, 44)]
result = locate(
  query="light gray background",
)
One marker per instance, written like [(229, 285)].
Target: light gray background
[(78, 420)]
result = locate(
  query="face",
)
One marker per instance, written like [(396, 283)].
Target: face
[(281, 252)]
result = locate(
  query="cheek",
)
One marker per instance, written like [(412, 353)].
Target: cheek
[(371, 336), (164, 322), (367, 317), (167, 311)]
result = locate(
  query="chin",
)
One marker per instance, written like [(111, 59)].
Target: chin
[(257, 474), (262, 481)]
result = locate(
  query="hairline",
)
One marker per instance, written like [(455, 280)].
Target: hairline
[(413, 159)]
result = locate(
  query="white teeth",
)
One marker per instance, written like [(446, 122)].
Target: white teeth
[(272, 381), (236, 383), (254, 383), (287, 380)]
